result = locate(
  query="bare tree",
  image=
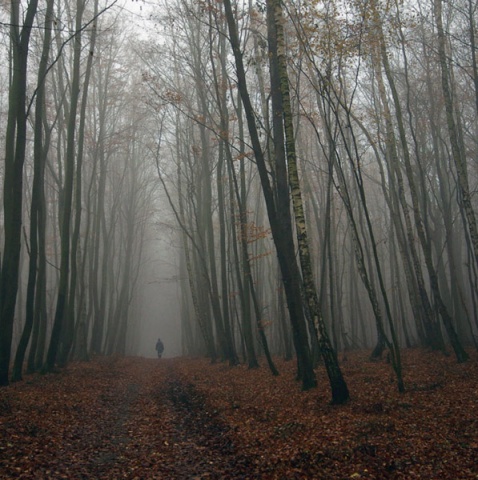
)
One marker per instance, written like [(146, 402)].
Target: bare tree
[(15, 147)]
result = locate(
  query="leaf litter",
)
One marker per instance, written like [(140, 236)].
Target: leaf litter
[(185, 418)]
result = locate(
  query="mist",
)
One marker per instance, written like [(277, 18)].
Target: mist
[(159, 299)]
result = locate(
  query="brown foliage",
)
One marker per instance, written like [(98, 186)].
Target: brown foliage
[(185, 418)]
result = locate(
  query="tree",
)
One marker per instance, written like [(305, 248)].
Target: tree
[(67, 192), (37, 205), (283, 123), (15, 147), (278, 210)]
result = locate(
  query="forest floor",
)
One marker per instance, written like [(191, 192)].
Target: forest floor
[(182, 418)]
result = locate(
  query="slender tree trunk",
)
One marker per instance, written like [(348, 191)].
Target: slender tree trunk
[(221, 98), (248, 280), (281, 103), (69, 327), (39, 153), (61, 305), (431, 329), (457, 148), (15, 146), (279, 218), (460, 353)]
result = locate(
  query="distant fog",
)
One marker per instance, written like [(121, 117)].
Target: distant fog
[(160, 312)]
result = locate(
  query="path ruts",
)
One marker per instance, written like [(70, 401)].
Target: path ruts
[(163, 429), (202, 444), (114, 419)]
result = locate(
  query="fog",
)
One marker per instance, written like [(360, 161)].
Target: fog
[(159, 297)]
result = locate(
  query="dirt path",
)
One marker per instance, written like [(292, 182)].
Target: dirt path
[(133, 420), (185, 419), (201, 446)]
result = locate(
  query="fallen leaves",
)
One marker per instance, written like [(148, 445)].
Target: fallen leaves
[(185, 418)]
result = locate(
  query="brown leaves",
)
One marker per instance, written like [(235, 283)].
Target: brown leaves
[(184, 418), (379, 434)]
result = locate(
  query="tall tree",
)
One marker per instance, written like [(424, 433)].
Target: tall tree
[(67, 195), (71, 311), (15, 147), (278, 210), (40, 148), (284, 127), (454, 131)]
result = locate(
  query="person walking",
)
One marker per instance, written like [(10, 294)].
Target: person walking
[(159, 347)]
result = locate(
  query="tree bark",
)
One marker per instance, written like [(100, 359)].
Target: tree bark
[(15, 145), (61, 304), (279, 218), (37, 202), (282, 105)]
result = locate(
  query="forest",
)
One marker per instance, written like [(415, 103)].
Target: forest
[(294, 180)]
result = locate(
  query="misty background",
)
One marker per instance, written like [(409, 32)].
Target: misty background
[(160, 297)]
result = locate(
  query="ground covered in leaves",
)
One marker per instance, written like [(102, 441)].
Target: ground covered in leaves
[(139, 418)]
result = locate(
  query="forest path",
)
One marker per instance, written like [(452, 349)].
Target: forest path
[(160, 427), (185, 419), (197, 442), (124, 418)]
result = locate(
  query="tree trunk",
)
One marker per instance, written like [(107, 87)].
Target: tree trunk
[(37, 202), (279, 218), (69, 327), (15, 145), (457, 148), (460, 353), (281, 104), (61, 305)]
